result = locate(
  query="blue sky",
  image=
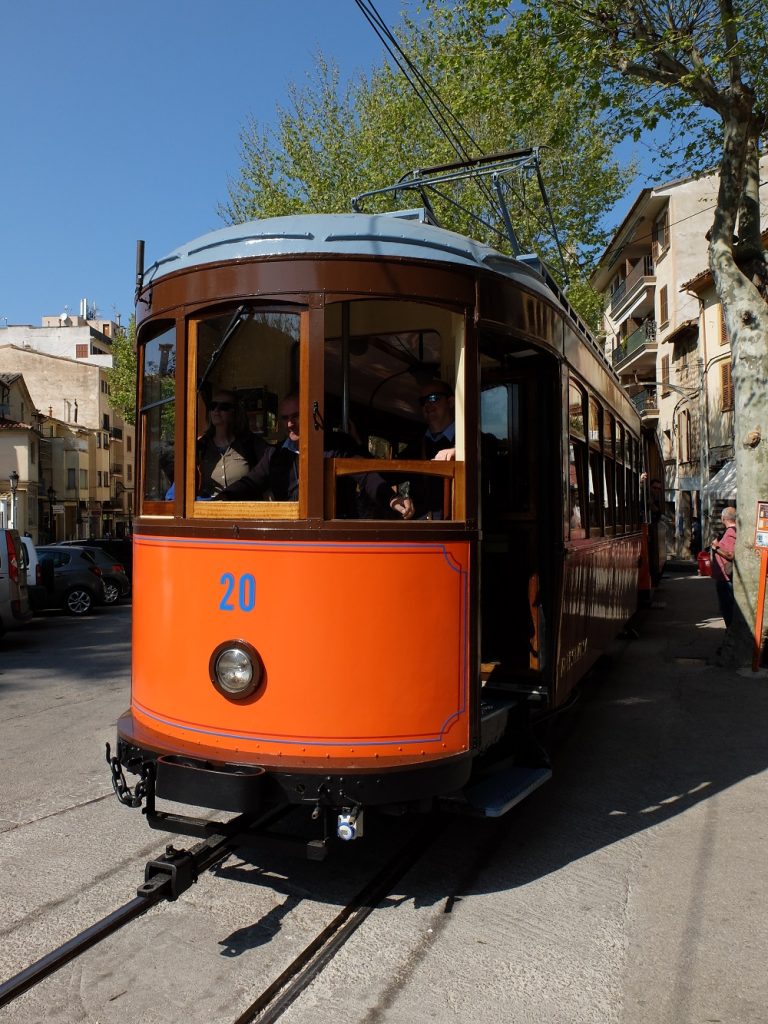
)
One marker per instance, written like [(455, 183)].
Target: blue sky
[(121, 121)]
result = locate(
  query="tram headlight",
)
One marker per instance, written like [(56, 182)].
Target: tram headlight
[(235, 669)]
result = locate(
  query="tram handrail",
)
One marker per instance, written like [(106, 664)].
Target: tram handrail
[(451, 472)]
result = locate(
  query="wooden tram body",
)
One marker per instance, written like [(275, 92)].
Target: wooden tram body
[(397, 661)]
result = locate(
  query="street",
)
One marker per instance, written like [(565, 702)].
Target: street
[(629, 890)]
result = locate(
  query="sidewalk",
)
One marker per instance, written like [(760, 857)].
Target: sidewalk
[(697, 931)]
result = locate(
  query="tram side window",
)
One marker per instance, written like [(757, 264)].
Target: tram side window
[(577, 473), (595, 467), (621, 504), (505, 445), (609, 472), (247, 434), (158, 414)]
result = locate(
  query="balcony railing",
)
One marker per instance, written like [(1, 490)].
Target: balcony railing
[(646, 401), (644, 335), (641, 270)]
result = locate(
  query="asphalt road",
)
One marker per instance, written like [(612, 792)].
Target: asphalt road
[(629, 890)]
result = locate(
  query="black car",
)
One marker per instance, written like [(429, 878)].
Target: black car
[(121, 550), (71, 579)]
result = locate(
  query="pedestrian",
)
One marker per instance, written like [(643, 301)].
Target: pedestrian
[(695, 537), (723, 555)]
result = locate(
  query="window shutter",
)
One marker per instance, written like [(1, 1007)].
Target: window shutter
[(663, 306), (726, 381), (665, 375), (724, 339)]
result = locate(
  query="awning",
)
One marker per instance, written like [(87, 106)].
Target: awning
[(723, 483)]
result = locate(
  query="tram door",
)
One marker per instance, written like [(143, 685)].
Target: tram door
[(517, 448)]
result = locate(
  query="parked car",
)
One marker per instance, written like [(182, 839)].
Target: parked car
[(14, 598), (36, 591), (71, 578), (121, 550), (113, 575)]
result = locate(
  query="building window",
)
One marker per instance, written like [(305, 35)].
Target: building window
[(83, 479), (71, 480), (726, 383), (663, 307), (128, 442), (98, 478), (724, 339), (81, 351), (665, 376), (129, 471), (661, 234)]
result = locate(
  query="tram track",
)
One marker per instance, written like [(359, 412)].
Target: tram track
[(162, 886)]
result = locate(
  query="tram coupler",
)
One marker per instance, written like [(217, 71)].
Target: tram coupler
[(176, 869), (349, 824)]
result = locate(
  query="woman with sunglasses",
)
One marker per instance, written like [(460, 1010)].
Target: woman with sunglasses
[(227, 450)]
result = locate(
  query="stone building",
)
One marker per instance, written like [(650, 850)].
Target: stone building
[(665, 335), (86, 451)]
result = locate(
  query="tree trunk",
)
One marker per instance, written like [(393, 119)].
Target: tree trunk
[(746, 317)]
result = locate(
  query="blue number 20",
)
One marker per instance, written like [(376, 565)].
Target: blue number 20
[(246, 592)]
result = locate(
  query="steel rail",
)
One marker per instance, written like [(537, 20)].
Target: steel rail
[(277, 997), (165, 879)]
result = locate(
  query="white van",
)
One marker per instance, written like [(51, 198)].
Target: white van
[(14, 599), (37, 592)]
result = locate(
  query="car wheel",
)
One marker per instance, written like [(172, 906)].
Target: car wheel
[(78, 601), (111, 593)]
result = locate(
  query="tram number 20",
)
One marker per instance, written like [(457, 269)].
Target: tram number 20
[(239, 592)]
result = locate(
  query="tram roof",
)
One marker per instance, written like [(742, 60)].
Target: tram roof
[(403, 234)]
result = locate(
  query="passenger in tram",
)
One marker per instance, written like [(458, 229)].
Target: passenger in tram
[(227, 450), (437, 443), (275, 477)]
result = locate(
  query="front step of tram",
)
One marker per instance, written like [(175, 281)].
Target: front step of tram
[(504, 783)]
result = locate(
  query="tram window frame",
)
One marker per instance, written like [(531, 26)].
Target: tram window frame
[(595, 476), (609, 472), (294, 379), (577, 462), (353, 329), (621, 482), (635, 483), (151, 436)]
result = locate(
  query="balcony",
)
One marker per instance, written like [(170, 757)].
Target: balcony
[(637, 344), (647, 403), (640, 276)]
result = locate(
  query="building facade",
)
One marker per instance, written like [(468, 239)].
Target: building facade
[(85, 470), (665, 334)]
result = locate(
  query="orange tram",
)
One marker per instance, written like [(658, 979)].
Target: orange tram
[(318, 646)]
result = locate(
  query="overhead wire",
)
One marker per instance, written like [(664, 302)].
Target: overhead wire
[(438, 110)]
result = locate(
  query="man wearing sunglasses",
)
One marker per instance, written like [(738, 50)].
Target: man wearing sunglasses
[(438, 442)]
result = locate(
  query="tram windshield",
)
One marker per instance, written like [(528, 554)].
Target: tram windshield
[(394, 391), (352, 412)]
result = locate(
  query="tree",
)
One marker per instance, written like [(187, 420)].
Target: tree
[(507, 85), (122, 376), (703, 66)]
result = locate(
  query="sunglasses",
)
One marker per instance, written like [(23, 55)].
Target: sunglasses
[(435, 396), (221, 406)]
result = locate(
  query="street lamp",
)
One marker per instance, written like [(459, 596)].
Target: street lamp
[(51, 500), (13, 479)]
